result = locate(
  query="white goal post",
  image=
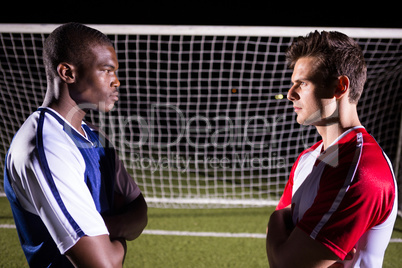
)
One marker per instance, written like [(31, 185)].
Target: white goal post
[(203, 119), (275, 31)]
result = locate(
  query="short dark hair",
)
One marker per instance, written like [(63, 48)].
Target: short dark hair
[(70, 43), (337, 55)]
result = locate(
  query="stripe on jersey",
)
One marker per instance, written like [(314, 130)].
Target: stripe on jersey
[(344, 189), (48, 175)]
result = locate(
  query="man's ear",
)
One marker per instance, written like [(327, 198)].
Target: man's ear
[(66, 72), (342, 86)]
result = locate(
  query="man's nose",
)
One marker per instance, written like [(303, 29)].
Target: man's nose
[(115, 82), (293, 94)]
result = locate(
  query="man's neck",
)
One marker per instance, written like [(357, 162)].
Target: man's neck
[(59, 100), (331, 132)]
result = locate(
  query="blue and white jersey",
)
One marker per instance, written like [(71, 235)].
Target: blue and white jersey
[(59, 183)]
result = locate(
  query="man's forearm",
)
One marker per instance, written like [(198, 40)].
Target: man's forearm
[(279, 229), (289, 246), (97, 251), (130, 223)]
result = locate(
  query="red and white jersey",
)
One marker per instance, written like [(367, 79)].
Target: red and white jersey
[(345, 197)]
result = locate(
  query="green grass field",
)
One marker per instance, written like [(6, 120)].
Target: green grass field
[(166, 251)]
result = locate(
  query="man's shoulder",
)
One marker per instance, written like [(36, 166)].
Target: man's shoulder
[(24, 141), (372, 172), (372, 156), (23, 148)]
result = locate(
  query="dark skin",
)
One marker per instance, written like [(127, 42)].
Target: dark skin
[(74, 91)]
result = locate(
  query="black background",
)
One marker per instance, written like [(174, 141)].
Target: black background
[(208, 12)]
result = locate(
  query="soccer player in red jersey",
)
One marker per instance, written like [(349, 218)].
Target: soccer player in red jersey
[(341, 194)]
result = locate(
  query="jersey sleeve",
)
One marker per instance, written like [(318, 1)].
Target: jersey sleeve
[(125, 185), (351, 199), (52, 186)]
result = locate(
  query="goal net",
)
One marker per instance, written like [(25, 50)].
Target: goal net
[(202, 118)]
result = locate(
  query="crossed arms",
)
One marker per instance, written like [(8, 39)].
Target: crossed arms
[(291, 247), (109, 250)]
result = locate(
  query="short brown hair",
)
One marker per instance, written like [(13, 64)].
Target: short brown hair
[(337, 55)]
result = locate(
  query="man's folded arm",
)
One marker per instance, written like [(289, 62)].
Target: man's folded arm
[(294, 248)]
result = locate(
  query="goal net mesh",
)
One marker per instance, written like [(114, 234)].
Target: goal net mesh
[(203, 120)]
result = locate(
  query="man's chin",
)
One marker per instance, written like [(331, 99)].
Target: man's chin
[(317, 122), (302, 121), (105, 108)]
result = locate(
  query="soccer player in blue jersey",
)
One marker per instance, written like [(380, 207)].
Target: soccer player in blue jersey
[(73, 202)]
